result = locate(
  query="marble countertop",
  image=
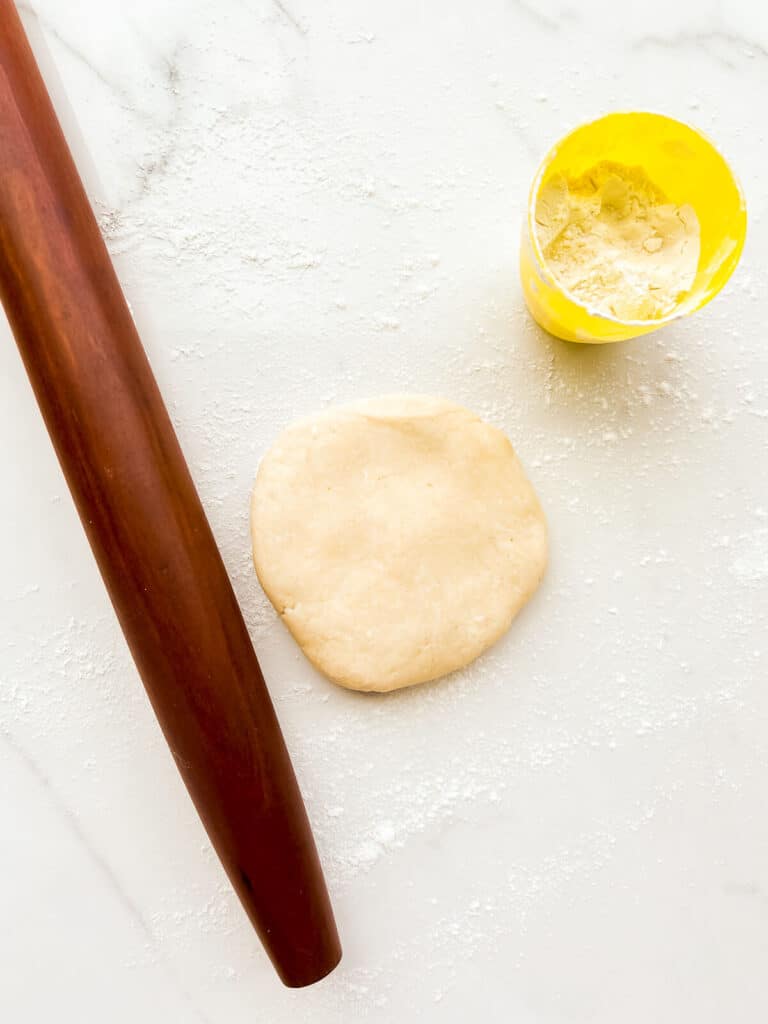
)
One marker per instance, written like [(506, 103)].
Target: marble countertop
[(313, 203)]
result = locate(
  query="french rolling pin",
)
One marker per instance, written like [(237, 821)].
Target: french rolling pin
[(147, 527)]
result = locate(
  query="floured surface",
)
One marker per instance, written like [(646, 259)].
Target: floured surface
[(301, 217), (397, 538)]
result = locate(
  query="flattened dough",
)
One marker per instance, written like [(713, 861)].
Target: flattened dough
[(397, 538)]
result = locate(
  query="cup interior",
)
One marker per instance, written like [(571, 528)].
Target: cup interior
[(684, 164)]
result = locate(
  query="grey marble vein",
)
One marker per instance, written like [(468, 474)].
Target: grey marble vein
[(712, 43), (70, 819), (156, 167), (75, 828), (548, 22), (51, 32), (298, 25), (532, 15)]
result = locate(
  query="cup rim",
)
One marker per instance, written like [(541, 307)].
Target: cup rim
[(543, 266)]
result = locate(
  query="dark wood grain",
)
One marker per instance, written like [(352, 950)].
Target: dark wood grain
[(147, 527)]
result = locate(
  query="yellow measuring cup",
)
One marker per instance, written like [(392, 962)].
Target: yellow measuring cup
[(687, 168)]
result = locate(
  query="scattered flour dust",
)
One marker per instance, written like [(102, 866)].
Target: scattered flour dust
[(750, 565)]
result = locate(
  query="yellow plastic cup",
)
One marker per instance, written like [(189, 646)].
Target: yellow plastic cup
[(687, 168)]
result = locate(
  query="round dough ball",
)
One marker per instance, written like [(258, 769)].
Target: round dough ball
[(397, 538)]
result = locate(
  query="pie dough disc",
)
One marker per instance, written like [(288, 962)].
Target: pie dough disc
[(397, 538)]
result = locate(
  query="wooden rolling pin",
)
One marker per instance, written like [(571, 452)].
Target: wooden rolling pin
[(147, 527)]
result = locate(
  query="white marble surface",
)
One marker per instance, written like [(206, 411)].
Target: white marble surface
[(310, 203)]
